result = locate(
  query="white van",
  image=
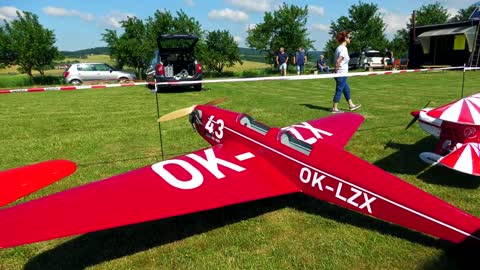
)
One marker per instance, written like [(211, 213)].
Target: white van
[(366, 59)]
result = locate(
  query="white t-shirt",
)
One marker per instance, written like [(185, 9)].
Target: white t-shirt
[(342, 51)]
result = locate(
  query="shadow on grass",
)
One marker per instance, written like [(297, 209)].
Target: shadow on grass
[(407, 161), (97, 247), (315, 107), (178, 89), (463, 256)]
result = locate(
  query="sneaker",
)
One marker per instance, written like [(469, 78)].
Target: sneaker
[(355, 107), (337, 111)]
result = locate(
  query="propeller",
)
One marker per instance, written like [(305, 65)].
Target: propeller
[(186, 111), (415, 116)]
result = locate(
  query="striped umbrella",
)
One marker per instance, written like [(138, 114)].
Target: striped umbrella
[(463, 111), (465, 159)]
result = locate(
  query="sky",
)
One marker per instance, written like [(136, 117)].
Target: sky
[(80, 24)]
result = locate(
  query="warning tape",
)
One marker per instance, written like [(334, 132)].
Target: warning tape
[(271, 78), (71, 87)]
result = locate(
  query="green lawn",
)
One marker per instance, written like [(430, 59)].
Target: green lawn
[(110, 131)]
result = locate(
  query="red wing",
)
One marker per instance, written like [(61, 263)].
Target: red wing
[(351, 182), (19, 182), (464, 159), (335, 130), (203, 180)]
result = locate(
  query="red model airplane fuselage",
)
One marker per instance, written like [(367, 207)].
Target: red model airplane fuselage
[(247, 161)]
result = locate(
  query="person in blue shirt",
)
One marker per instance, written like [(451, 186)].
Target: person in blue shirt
[(300, 59), (282, 59), (322, 65)]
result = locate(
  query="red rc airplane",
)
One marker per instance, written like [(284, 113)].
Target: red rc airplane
[(457, 125), (247, 161)]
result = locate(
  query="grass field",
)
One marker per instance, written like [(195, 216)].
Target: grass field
[(247, 65), (110, 131)]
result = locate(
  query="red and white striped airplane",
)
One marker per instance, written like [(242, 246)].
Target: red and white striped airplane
[(247, 161), (457, 125)]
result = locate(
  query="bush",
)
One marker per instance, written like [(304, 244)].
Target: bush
[(22, 80)]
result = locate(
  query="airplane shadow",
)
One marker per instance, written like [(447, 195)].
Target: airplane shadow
[(462, 256), (97, 247), (407, 161), (315, 107)]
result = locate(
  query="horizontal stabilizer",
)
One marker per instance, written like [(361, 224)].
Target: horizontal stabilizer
[(19, 182)]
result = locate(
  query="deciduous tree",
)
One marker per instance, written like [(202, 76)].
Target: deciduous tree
[(28, 44), (221, 50), (284, 27), (366, 25)]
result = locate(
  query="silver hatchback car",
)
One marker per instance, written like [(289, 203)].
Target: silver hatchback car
[(81, 72)]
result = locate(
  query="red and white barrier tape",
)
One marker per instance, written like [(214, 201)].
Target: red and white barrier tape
[(275, 78), (70, 87)]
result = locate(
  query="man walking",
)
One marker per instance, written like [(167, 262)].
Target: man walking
[(282, 59), (300, 59)]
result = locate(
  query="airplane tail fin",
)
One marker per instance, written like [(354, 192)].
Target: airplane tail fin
[(19, 182)]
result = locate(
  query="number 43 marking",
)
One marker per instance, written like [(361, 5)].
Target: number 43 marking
[(210, 127)]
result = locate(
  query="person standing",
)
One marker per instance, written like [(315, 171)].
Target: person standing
[(282, 59), (322, 65), (300, 59), (341, 67)]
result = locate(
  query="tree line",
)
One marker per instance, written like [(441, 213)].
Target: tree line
[(26, 43)]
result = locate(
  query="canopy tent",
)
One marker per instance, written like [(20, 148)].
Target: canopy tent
[(467, 31)]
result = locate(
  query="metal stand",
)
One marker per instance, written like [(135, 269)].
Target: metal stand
[(159, 126)]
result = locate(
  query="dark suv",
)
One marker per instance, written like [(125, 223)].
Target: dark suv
[(175, 61)]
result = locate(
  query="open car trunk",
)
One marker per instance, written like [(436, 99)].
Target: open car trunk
[(178, 64), (176, 55)]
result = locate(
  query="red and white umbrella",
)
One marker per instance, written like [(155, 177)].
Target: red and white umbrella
[(465, 159), (463, 111)]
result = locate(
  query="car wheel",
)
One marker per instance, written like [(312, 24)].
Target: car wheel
[(123, 80), (198, 87), (75, 82)]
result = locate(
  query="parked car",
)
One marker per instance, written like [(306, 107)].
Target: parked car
[(174, 61), (81, 72), (366, 59)]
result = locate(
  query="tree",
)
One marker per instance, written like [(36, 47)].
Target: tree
[(222, 50), (284, 27), (7, 54), (430, 14), (135, 46), (31, 46), (464, 14), (366, 25)]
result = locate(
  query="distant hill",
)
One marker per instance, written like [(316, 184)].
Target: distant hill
[(85, 52)]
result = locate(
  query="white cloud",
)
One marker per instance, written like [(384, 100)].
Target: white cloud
[(316, 10), (321, 27), (228, 14), (8, 13), (237, 39), (190, 3), (393, 21), (250, 26), (452, 12), (114, 18), (62, 12), (252, 5)]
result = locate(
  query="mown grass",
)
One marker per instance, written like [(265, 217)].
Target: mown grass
[(110, 131)]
